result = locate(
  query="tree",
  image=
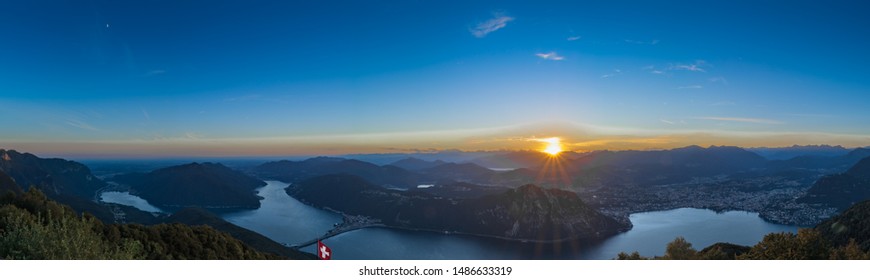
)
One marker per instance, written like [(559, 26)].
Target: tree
[(807, 244), (680, 249), (57, 236), (851, 251)]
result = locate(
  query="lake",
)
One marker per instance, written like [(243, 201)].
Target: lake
[(286, 220), (702, 227), (125, 198), (649, 236), (283, 218)]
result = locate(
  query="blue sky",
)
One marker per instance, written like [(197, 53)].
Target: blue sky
[(223, 78)]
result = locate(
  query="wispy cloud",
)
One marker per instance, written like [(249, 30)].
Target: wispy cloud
[(719, 80), (694, 67), (691, 87), (498, 22), (653, 70), (550, 56), (667, 122), (80, 124), (192, 135), (744, 120), (616, 72), (145, 113), (573, 38), (651, 42), (811, 115)]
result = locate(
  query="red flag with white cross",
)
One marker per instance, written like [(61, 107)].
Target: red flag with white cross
[(323, 252)]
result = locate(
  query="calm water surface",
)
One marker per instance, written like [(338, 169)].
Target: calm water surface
[(286, 220), (125, 198), (283, 218)]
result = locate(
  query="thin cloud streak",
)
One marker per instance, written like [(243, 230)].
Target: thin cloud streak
[(550, 56), (616, 72), (719, 80), (744, 120), (695, 67), (80, 124), (489, 26)]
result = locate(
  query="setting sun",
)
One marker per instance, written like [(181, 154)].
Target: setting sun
[(554, 147)]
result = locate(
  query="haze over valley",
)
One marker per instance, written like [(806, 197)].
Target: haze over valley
[(434, 130)]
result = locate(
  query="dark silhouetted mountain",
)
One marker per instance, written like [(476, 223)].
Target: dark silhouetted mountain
[(520, 159), (853, 223), (67, 182), (467, 172), (53, 176), (415, 164), (835, 164), (663, 167), (37, 227), (433, 155), (842, 190), (785, 153), (8, 185), (528, 212), (199, 216), (693, 157), (459, 190), (207, 185), (295, 171)]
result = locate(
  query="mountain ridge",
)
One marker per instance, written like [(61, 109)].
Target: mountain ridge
[(526, 213), (209, 185)]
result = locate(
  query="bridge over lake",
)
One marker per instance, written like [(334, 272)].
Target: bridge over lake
[(350, 223)]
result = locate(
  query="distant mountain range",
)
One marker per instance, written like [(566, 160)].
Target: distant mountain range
[(207, 185), (829, 164), (521, 159), (528, 212), (416, 164), (295, 171), (785, 153), (602, 169), (661, 167)]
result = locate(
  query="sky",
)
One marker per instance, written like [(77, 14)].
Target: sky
[(254, 78)]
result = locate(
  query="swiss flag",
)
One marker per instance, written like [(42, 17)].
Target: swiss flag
[(323, 252)]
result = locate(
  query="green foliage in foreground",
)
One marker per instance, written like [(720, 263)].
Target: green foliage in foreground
[(35, 227), (807, 244)]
